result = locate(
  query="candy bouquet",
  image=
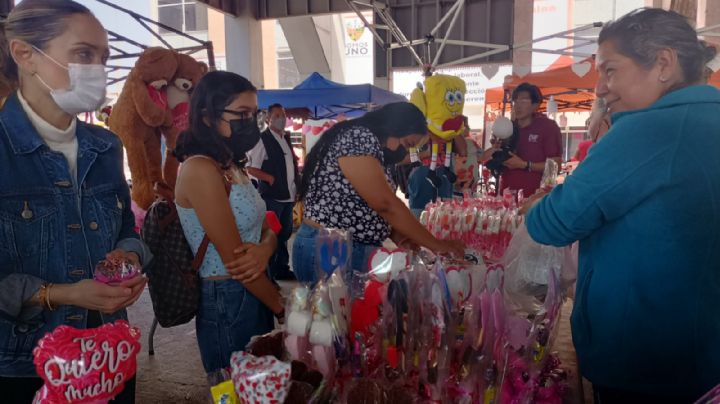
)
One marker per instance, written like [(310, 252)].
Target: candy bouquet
[(485, 224)]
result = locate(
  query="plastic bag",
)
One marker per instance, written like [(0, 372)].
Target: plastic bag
[(297, 325), (527, 272)]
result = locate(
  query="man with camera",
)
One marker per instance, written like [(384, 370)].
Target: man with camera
[(520, 160)]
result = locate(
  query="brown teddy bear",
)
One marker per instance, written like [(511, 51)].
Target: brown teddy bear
[(187, 76), (138, 116)]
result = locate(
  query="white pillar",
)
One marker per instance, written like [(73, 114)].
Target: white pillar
[(243, 47), (304, 42)]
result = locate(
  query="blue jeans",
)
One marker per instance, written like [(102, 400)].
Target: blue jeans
[(227, 318), (303, 254), (280, 261)]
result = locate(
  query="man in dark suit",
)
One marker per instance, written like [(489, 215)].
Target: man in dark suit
[(274, 164)]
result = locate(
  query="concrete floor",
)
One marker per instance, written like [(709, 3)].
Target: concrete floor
[(174, 374)]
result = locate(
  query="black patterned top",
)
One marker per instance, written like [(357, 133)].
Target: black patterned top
[(333, 202)]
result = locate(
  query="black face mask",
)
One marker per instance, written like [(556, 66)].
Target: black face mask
[(393, 157), (244, 135)]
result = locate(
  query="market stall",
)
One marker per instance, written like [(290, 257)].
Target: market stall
[(571, 85), (322, 98)]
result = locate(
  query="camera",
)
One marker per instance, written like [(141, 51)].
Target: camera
[(495, 165), (504, 130)]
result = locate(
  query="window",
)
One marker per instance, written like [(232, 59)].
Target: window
[(183, 15), (288, 75)]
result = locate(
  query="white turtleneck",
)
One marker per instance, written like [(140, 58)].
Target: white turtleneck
[(58, 140)]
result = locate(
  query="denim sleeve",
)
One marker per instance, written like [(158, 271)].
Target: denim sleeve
[(129, 240), (15, 289), (138, 247), (128, 217)]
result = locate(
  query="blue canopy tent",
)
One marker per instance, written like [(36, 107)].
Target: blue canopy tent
[(327, 99)]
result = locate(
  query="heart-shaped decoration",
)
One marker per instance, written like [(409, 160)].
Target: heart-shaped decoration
[(181, 116), (334, 252), (365, 312), (260, 380), (459, 281), (490, 70), (158, 97), (521, 71), (86, 365), (386, 265), (581, 69), (455, 123)]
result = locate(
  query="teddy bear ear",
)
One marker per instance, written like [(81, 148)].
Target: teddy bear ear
[(203, 67)]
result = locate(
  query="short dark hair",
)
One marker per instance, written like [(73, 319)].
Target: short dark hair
[(213, 94), (640, 34), (532, 90), (276, 105)]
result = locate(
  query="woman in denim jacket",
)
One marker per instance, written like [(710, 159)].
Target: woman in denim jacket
[(64, 201)]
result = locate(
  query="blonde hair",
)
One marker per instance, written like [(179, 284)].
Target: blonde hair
[(35, 22)]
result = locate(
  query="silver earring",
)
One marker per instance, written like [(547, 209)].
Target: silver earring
[(663, 79)]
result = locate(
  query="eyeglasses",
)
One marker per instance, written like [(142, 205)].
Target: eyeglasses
[(522, 101), (244, 115)]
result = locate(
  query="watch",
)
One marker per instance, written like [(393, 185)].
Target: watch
[(529, 166)]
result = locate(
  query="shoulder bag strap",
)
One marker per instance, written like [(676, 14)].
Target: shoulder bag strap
[(202, 250)]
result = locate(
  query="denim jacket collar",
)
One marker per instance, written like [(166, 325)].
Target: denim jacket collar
[(25, 139)]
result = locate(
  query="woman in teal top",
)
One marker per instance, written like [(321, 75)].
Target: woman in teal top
[(237, 300), (645, 205), (248, 208)]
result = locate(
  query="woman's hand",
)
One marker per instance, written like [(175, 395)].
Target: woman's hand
[(531, 201), (252, 262), (94, 295), (454, 248), (408, 244)]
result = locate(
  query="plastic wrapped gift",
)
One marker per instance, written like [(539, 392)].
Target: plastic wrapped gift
[(112, 271), (261, 380)]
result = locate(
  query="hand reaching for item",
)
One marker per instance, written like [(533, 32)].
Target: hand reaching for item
[(531, 201), (454, 248)]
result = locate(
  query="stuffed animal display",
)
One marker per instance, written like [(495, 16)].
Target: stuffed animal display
[(442, 103), (187, 76), (154, 103)]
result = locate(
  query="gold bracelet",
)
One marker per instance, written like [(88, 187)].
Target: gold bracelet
[(47, 297), (41, 294)]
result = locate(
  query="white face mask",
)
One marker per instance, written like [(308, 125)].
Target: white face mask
[(278, 124), (87, 87)]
